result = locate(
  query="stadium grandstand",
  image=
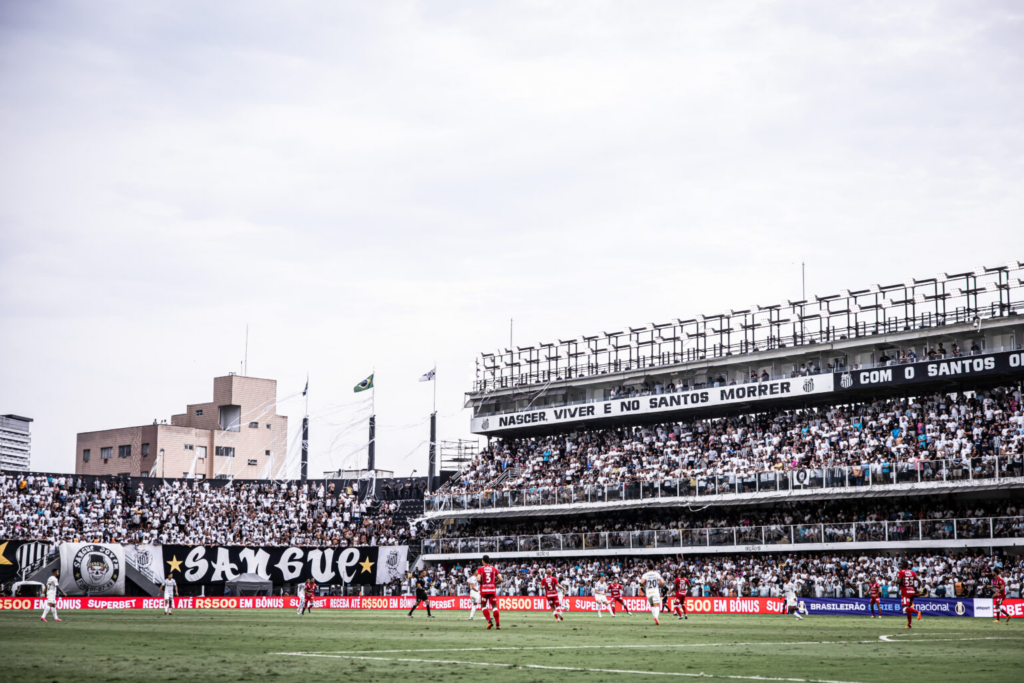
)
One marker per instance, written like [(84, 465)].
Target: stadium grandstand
[(833, 435), (824, 439)]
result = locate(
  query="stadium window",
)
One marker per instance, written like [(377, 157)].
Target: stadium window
[(199, 412), (225, 451), (107, 453), (145, 450), (124, 451), (252, 461), (268, 425), (189, 447), (254, 425), (86, 454), (200, 451), (266, 452)]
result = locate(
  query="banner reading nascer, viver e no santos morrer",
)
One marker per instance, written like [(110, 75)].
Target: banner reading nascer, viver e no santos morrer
[(210, 564)]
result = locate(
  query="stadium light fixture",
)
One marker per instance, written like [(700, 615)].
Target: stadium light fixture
[(992, 286), (1016, 282), (957, 292), (941, 277), (919, 298), (700, 317), (1013, 265), (855, 308), (886, 303), (980, 270), (845, 293), (659, 339), (909, 282), (875, 289)]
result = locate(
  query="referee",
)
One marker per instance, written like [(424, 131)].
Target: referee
[(421, 596)]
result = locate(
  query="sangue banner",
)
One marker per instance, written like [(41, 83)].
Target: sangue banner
[(659, 403), (954, 369), (92, 568), (965, 607), (210, 564)]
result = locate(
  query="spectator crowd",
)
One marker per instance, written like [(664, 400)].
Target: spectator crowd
[(880, 439), (834, 513), (755, 575), (59, 508)]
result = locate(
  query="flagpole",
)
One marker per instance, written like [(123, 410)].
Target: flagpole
[(435, 386)]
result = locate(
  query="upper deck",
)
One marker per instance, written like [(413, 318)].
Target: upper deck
[(918, 334)]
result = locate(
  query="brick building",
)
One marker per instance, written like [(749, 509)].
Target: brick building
[(238, 434)]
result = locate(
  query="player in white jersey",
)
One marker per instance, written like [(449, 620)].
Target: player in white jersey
[(601, 597), (474, 594), (789, 590), (52, 589), (653, 583), (170, 590), (301, 593)]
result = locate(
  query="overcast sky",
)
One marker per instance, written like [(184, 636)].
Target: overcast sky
[(382, 185)]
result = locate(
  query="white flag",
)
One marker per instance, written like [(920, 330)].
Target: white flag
[(429, 376)]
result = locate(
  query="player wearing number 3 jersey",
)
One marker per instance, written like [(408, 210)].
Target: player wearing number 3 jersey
[(489, 578)]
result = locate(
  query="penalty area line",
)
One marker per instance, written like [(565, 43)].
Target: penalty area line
[(562, 668)]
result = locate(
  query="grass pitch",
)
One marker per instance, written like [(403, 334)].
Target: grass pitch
[(277, 645)]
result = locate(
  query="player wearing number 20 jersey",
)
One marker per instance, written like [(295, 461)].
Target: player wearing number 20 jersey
[(652, 583)]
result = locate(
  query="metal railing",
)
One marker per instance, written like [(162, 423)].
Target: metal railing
[(827, 320), (703, 483), (744, 536)]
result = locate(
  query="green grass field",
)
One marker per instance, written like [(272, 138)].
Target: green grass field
[(388, 646)]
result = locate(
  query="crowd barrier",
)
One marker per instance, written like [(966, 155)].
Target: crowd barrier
[(932, 607)]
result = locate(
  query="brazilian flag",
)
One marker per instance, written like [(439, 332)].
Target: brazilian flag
[(364, 385)]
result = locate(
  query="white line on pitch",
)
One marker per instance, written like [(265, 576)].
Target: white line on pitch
[(565, 668), (635, 647)]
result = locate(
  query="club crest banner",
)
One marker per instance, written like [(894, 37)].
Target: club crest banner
[(92, 568), (148, 560)]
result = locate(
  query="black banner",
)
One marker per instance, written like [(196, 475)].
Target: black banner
[(948, 369), (209, 564), (15, 555)]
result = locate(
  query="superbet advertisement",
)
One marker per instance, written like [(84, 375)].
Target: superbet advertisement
[(512, 603)]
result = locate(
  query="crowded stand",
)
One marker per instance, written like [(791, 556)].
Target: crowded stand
[(757, 575), (59, 508), (939, 436), (827, 512)]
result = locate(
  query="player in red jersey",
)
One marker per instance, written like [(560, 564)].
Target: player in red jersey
[(682, 586), (489, 579), (551, 586), (615, 593), (908, 583), (875, 592), (310, 594), (998, 595)]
